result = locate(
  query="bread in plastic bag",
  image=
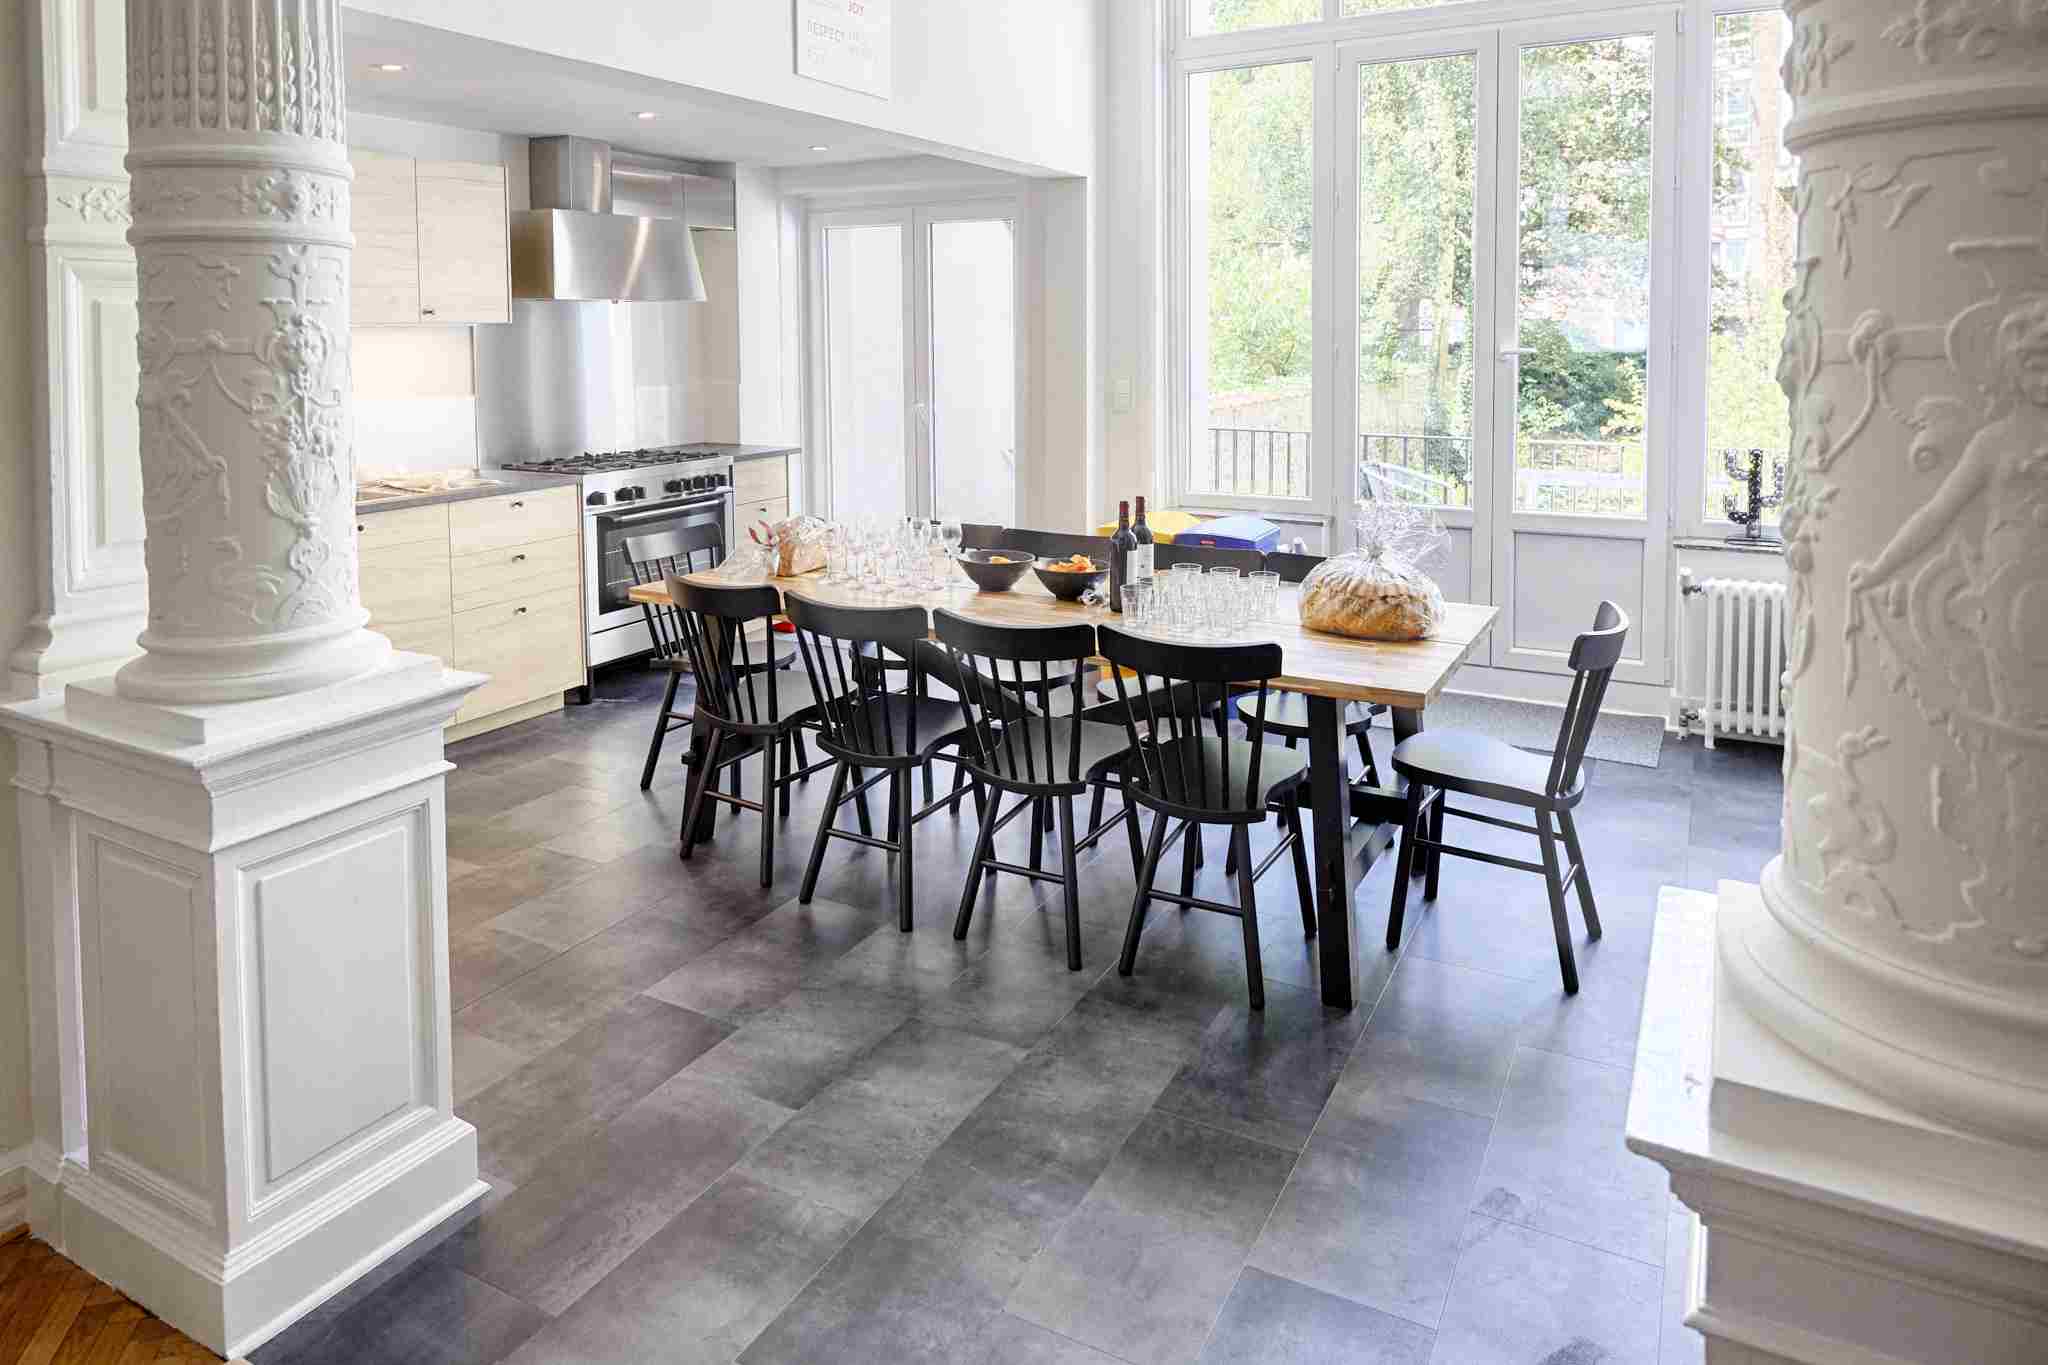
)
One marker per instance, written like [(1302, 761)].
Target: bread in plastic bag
[(1378, 592)]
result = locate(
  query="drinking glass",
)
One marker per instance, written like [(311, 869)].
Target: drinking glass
[(1266, 590), (949, 536)]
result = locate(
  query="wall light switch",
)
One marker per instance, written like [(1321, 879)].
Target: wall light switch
[(1120, 396)]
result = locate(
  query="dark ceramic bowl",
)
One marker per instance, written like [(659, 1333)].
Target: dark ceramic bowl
[(993, 577), (1067, 584)]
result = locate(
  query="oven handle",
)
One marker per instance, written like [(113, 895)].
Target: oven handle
[(663, 512)]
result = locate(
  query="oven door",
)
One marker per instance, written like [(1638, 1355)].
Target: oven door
[(618, 626)]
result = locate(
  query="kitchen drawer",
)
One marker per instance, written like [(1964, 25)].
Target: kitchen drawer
[(762, 480), (405, 583), (512, 519), (435, 637), (747, 513), (402, 526), (492, 576), (531, 646)]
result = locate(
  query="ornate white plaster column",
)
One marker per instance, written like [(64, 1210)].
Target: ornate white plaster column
[(239, 182), (234, 864), (1907, 939), (1860, 1123)]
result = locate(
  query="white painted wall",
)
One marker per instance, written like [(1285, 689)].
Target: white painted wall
[(17, 577), (1009, 84), (1064, 379), (1128, 256)]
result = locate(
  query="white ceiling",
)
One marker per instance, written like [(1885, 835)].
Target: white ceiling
[(470, 83)]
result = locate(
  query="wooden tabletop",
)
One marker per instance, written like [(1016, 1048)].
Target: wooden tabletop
[(1405, 674)]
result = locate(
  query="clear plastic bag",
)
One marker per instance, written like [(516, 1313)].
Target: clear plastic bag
[(1379, 591)]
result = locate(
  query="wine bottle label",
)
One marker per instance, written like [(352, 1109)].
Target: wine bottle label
[(1141, 564)]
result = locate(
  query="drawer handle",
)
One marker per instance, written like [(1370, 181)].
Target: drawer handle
[(426, 312), (518, 505), (360, 528), (519, 611), (518, 559)]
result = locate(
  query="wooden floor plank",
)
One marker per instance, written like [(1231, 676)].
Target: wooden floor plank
[(53, 1312)]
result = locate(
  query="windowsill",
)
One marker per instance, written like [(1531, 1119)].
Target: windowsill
[(1775, 548)]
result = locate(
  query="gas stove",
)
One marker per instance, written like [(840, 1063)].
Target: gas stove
[(614, 461), (651, 475)]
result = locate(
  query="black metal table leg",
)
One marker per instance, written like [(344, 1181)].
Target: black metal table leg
[(1336, 878)]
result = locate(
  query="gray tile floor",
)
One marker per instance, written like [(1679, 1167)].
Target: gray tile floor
[(722, 1126)]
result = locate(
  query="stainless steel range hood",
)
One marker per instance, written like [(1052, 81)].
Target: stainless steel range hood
[(573, 245)]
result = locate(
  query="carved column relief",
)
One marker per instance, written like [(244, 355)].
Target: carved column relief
[(239, 200), (1908, 939)]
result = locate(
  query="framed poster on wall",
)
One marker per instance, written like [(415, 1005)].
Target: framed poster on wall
[(846, 43)]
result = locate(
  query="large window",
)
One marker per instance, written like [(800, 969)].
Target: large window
[(1251, 280), (1752, 244)]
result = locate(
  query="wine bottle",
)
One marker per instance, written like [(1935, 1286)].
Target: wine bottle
[(1141, 558), (1122, 550)]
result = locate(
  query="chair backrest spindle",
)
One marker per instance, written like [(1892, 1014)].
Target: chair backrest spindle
[(1593, 658)]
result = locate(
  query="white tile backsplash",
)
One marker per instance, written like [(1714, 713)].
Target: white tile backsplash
[(414, 435)]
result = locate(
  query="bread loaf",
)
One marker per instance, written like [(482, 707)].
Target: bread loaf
[(799, 546), (1370, 599)]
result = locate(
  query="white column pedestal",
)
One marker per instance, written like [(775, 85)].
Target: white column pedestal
[(239, 983), (1830, 1225)]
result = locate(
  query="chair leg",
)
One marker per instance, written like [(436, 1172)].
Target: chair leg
[(1142, 901), (788, 766), (1372, 772), (860, 802), (1038, 814), (1070, 883), (1230, 860), (701, 781), (824, 835), (803, 752), (1132, 831), (1095, 801), (927, 782), (1404, 865), (771, 749), (1578, 857), (1304, 885), (1553, 881), (906, 866), (983, 849), (1436, 855), (1248, 907), (896, 780), (1190, 854), (668, 703)]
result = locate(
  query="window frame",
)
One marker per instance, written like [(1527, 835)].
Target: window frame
[(1185, 52)]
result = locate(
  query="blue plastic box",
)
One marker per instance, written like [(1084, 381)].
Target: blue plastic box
[(1233, 533)]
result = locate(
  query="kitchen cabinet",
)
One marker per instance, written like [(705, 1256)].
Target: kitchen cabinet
[(490, 585), (431, 243), (760, 491)]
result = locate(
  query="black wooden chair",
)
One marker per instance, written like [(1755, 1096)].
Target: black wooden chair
[(1015, 746), (1287, 716), (863, 725), (1165, 556), (981, 535), (1184, 766), (743, 706), (1439, 762), (654, 559)]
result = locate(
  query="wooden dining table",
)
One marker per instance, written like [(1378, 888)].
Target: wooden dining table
[(1354, 823)]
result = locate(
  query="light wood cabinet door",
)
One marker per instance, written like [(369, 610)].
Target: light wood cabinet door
[(747, 513), (384, 279), (530, 646), (762, 480), (512, 519), (401, 526), (402, 584), (465, 265), (516, 571)]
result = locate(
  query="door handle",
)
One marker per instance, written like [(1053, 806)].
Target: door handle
[(1513, 353)]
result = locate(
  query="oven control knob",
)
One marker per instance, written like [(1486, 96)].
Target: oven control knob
[(625, 494), (638, 492), (700, 483), (720, 480), (597, 499), (672, 486)]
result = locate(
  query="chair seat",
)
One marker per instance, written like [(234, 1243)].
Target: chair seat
[(1477, 764), (793, 699), (1287, 713), (1192, 774), (937, 726)]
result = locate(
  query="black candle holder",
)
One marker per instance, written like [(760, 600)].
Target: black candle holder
[(1750, 470)]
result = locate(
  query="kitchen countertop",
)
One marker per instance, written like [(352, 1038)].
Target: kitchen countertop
[(754, 452), (505, 481)]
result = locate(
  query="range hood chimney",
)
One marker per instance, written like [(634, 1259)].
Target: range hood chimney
[(571, 245)]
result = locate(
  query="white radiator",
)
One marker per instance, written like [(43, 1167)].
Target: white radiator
[(1732, 687)]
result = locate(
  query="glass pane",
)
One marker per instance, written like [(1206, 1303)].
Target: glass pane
[(1232, 16), (974, 370), (1415, 207), (1753, 241), (1251, 254), (864, 346), (1377, 6), (1584, 278)]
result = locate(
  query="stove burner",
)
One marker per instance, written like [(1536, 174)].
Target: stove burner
[(610, 461)]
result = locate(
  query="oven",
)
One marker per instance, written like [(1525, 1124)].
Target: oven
[(618, 626)]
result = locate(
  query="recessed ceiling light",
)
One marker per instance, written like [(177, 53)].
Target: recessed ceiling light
[(819, 147), (644, 115), (390, 66)]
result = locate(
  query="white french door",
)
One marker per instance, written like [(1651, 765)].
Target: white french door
[(1505, 211), (917, 361)]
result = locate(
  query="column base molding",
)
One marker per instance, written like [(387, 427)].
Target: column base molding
[(1832, 1226)]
